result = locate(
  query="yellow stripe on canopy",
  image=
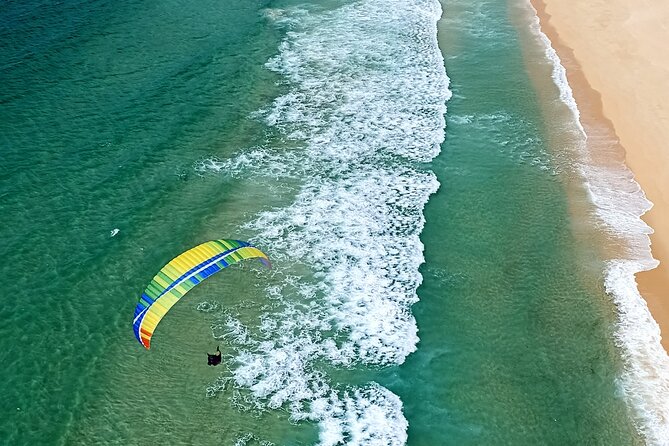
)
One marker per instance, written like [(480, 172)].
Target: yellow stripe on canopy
[(181, 274)]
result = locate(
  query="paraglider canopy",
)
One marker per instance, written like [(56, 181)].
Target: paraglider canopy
[(181, 274)]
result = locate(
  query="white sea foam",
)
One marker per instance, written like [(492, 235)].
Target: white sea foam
[(645, 382), (365, 99), (250, 439), (620, 203), (257, 161), (559, 74)]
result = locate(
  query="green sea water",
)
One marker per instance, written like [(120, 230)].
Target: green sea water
[(519, 347), (159, 119)]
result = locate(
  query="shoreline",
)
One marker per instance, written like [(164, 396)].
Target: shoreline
[(623, 176), (597, 55)]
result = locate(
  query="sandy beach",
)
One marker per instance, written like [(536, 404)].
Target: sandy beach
[(618, 66)]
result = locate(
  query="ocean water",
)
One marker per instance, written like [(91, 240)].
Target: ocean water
[(439, 272)]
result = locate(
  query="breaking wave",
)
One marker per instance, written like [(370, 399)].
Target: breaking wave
[(620, 203), (364, 104)]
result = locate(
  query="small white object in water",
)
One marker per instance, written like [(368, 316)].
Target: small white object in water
[(114, 232)]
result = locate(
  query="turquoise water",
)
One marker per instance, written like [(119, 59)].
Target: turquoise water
[(316, 131), (511, 313)]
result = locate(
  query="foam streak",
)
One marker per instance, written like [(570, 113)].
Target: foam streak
[(366, 92), (620, 203)]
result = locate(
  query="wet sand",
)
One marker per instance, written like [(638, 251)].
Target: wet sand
[(617, 64)]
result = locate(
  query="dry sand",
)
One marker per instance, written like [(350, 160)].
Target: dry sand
[(620, 62)]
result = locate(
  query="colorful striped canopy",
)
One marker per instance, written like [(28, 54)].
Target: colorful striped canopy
[(181, 274)]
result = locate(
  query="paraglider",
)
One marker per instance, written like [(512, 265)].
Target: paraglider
[(183, 273), (214, 359)]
